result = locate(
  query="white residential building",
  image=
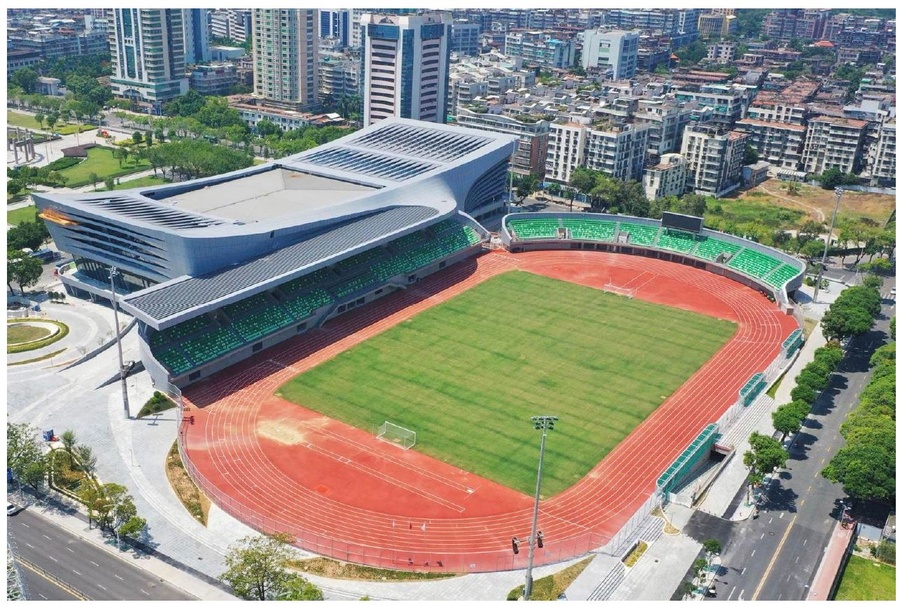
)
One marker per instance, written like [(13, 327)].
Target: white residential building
[(714, 159), (286, 56), (615, 52), (882, 159), (834, 143), (405, 66), (668, 178), (778, 143), (617, 151)]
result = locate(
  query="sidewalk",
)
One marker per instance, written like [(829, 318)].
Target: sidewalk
[(840, 542)]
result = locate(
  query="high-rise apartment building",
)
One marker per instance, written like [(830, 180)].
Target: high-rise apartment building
[(618, 151), (232, 23), (615, 51), (540, 48), (196, 36), (147, 54), (466, 38), (667, 178), (714, 158), (834, 143), (677, 24), (285, 56), (405, 66)]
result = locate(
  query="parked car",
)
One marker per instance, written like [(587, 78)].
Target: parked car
[(11, 509)]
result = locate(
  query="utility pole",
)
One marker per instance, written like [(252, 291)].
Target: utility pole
[(543, 423), (838, 192), (113, 272)]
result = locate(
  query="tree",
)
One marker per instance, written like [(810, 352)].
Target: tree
[(22, 268), (148, 138), (25, 79), (713, 546), (526, 186), (93, 178), (812, 249), (866, 469), (137, 137), (87, 461), (804, 393), (109, 183), (24, 455), (14, 186), (832, 178), (765, 455), (751, 156), (264, 128), (788, 418), (68, 442), (256, 569), (298, 588), (27, 235), (39, 118), (840, 322)]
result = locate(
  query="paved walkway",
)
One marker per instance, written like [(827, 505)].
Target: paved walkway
[(830, 566)]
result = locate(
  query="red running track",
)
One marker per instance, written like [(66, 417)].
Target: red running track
[(342, 493)]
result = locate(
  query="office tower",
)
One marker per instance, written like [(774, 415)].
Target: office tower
[(285, 56), (335, 24), (196, 36), (406, 68), (147, 54)]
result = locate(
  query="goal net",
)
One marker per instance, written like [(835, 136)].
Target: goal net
[(610, 287), (397, 435)]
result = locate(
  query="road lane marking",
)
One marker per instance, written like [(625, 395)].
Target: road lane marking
[(76, 572), (801, 503), (29, 545), (70, 550), (117, 575), (26, 525), (53, 580), (144, 591), (762, 536), (774, 558), (741, 596), (797, 560), (771, 518), (43, 597), (94, 564), (730, 593), (781, 515), (743, 570), (101, 586), (804, 542), (52, 559), (752, 553), (46, 536)]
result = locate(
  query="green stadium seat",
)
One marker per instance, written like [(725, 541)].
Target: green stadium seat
[(181, 330), (529, 229), (710, 248), (585, 228), (244, 306), (781, 275), (174, 360), (754, 263), (305, 304), (640, 234), (307, 281), (261, 323), (675, 240), (211, 345)]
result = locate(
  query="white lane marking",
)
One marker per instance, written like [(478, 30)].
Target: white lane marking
[(94, 564), (762, 536), (741, 596), (782, 515), (52, 559), (29, 545), (104, 587), (804, 542), (752, 553), (42, 596), (117, 575), (743, 570), (76, 572), (145, 592), (46, 536), (29, 526), (730, 593), (771, 518), (70, 550)]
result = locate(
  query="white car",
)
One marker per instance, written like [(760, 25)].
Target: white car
[(11, 508)]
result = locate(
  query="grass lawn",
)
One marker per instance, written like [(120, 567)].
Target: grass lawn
[(17, 216), (27, 121), (866, 580), (100, 161), (468, 375), (141, 182), (20, 333)]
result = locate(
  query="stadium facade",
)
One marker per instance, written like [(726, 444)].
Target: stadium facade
[(217, 269)]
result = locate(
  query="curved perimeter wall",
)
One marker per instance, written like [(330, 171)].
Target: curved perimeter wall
[(564, 240)]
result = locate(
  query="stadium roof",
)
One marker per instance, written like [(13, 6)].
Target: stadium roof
[(167, 303)]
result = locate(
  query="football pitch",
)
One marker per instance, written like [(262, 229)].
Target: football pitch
[(468, 374)]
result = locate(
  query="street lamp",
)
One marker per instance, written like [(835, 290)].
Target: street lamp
[(838, 193), (113, 272), (542, 423)]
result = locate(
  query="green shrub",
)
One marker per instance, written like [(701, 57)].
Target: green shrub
[(158, 403), (64, 163)]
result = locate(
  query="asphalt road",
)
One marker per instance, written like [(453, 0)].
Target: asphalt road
[(45, 551), (775, 556)]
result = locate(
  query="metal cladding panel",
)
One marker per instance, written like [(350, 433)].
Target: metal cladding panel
[(185, 294)]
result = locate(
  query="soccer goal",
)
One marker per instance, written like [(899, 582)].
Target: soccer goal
[(610, 287), (397, 435)]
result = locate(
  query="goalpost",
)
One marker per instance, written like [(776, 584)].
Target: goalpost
[(398, 435), (629, 293)]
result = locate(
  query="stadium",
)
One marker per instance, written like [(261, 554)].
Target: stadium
[(300, 309)]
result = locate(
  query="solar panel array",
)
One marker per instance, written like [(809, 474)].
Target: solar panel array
[(151, 212), (421, 142), (369, 163)]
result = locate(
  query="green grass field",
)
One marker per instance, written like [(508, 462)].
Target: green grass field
[(467, 375), (866, 580), (27, 121), (100, 161), (17, 216)]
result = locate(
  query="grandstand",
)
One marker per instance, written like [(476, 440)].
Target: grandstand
[(769, 269), (217, 269)]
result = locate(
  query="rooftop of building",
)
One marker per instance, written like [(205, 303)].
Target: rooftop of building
[(772, 125)]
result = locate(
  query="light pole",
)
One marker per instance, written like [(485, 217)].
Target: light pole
[(838, 193), (113, 272), (542, 423)]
